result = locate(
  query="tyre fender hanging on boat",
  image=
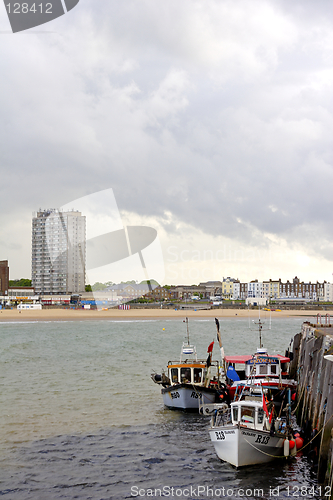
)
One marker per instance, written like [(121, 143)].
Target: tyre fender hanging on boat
[(286, 448)]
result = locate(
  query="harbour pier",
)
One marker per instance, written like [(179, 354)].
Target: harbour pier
[(312, 367)]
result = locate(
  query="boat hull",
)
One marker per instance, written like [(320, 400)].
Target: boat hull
[(242, 446), (187, 396)]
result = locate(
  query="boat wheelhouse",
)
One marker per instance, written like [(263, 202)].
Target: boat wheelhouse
[(260, 368)]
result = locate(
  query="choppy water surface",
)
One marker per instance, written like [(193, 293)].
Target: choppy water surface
[(82, 419)]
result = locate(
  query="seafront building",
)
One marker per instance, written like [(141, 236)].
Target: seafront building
[(213, 288), (328, 292), (58, 252), (228, 288), (128, 291), (290, 290), (254, 289), (232, 289), (4, 277), (271, 289)]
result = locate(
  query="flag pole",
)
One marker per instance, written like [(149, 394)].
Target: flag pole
[(220, 343)]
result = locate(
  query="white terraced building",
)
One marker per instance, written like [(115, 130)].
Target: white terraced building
[(58, 252)]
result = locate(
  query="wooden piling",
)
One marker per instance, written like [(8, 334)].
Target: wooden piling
[(314, 374)]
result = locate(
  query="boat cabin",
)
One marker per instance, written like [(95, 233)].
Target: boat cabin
[(182, 373), (260, 365), (189, 369), (248, 414)]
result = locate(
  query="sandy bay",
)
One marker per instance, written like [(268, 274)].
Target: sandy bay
[(137, 314)]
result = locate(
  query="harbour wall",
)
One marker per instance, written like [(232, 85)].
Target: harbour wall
[(314, 401)]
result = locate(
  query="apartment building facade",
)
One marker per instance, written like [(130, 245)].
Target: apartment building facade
[(229, 288), (58, 252), (300, 290), (254, 289), (271, 289), (278, 290), (328, 292)]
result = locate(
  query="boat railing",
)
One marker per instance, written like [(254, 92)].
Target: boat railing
[(188, 350), (210, 409), (221, 417)]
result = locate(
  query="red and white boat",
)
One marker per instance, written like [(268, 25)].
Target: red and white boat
[(260, 369)]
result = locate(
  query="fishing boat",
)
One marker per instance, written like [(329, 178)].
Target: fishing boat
[(189, 379), (256, 427), (247, 433)]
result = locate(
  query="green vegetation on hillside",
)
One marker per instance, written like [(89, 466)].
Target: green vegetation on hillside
[(21, 282)]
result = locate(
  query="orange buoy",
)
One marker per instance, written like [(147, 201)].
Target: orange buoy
[(297, 435), (299, 442), (291, 444)]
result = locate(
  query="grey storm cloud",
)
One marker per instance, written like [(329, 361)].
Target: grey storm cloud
[(218, 112)]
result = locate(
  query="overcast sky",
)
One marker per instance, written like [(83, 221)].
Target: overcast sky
[(210, 120)]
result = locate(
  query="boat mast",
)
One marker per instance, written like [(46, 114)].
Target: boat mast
[(187, 331), (260, 328), (187, 348), (260, 324)]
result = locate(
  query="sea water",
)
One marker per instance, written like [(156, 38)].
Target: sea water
[(81, 417)]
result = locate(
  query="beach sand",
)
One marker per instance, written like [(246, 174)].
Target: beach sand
[(116, 314)]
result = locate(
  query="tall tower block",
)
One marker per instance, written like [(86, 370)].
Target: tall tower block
[(58, 252)]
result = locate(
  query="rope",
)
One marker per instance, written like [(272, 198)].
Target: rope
[(301, 449), (307, 444), (198, 393), (263, 452), (299, 400)]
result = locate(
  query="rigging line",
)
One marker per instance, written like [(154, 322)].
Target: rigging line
[(299, 401), (301, 449), (303, 388), (263, 452), (307, 444)]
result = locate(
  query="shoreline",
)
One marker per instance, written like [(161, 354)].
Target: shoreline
[(136, 314)]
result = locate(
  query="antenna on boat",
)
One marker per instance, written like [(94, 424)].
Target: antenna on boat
[(187, 348)]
